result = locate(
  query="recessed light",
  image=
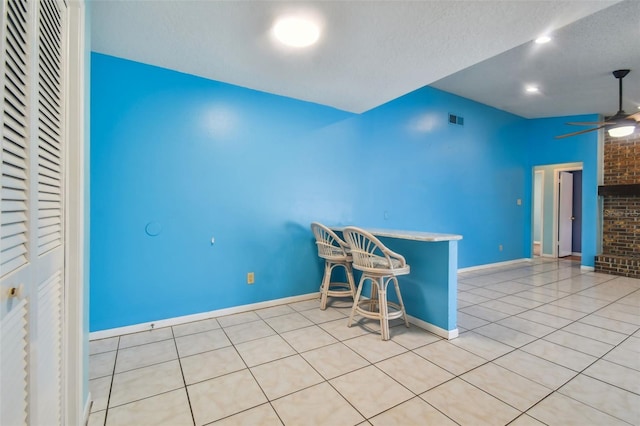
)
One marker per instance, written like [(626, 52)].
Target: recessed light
[(296, 31), (543, 39), (531, 89)]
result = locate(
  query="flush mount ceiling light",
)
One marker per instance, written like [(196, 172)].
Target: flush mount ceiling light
[(532, 89), (543, 39), (296, 32)]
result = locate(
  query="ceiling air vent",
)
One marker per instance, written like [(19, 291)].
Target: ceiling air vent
[(456, 119)]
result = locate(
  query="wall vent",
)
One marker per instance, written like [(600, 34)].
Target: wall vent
[(456, 119)]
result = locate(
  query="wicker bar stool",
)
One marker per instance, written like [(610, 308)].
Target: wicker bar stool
[(335, 253), (380, 266)]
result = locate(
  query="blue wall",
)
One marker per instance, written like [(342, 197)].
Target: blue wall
[(544, 149), (196, 159)]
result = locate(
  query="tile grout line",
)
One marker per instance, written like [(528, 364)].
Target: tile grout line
[(408, 350), (252, 375), (298, 353), (415, 395), (558, 329), (186, 389), (113, 374), (552, 391), (544, 304)]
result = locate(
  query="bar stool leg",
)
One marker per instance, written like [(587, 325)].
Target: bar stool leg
[(355, 300), (404, 312), (324, 287), (383, 308), (374, 301), (350, 280)]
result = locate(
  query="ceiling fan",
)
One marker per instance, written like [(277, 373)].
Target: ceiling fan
[(618, 125)]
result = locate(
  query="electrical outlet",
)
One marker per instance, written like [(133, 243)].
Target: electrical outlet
[(250, 278), (500, 247)]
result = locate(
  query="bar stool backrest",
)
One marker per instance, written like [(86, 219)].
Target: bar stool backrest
[(330, 246), (369, 254)]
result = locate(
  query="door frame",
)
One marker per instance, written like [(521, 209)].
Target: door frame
[(556, 202), (76, 398), (533, 213)]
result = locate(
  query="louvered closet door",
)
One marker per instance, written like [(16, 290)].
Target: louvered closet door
[(15, 265), (32, 256), (47, 162)]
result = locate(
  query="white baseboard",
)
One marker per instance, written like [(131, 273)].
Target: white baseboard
[(587, 268), (447, 334), (112, 332), (576, 253), (87, 410), (493, 265)]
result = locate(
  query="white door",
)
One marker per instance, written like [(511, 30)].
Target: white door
[(32, 253), (565, 214)]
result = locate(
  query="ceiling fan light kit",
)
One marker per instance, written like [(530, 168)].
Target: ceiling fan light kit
[(619, 125), (619, 132)]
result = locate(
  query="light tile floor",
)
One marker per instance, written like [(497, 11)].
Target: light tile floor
[(541, 342)]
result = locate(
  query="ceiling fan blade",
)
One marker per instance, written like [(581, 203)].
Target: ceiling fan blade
[(590, 123), (635, 116), (579, 133)]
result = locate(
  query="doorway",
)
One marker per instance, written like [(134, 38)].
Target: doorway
[(551, 226)]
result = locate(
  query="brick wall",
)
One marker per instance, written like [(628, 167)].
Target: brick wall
[(621, 219), (621, 226), (622, 160)]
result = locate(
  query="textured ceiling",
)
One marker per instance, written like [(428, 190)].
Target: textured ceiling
[(574, 71), (371, 52)]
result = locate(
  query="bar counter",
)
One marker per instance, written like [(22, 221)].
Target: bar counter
[(430, 290)]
